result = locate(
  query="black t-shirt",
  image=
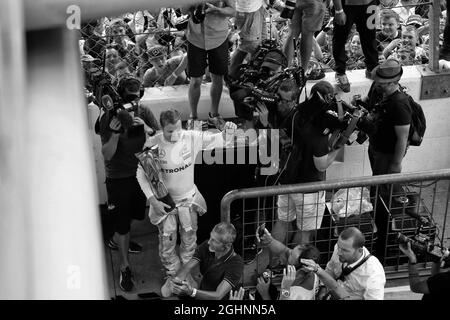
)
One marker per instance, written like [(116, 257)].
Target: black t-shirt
[(383, 40), (309, 142), (124, 163), (230, 268), (439, 286), (393, 110)]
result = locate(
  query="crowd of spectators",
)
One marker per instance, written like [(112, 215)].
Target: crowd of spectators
[(153, 45), (189, 46)]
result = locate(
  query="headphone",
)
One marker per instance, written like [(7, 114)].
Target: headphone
[(125, 81), (283, 62)]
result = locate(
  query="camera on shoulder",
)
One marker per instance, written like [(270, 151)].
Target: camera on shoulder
[(120, 102)]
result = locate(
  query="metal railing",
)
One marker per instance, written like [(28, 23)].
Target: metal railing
[(413, 204)]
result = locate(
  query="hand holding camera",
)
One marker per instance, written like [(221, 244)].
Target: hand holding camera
[(262, 287), (263, 236), (115, 125), (263, 113), (405, 247), (198, 13)]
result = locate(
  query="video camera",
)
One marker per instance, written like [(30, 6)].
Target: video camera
[(423, 244), (119, 102), (288, 11), (266, 90), (348, 123)]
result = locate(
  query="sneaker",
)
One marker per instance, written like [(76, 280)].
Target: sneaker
[(369, 74), (134, 247), (342, 82), (126, 280), (216, 121), (315, 71)]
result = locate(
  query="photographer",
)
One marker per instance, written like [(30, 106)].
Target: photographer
[(307, 161), (245, 100), (435, 287), (297, 284), (352, 272), (207, 36), (221, 268), (122, 135)]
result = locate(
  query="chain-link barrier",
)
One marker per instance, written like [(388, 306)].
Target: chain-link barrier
[(152, 45)]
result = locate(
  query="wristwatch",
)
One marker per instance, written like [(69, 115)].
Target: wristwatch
[(285, 293), (339, 11), (194, 293)]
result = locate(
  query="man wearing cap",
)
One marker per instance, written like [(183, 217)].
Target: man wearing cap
[(164, 71), (415, 20), (347, 13), (208, 47), (388, 145)]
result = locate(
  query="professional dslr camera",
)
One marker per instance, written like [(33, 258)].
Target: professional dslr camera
[(288, 11), (198, 13), (348, 123), (423, 244)]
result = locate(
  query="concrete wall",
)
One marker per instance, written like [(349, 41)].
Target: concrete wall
[(434, 153)]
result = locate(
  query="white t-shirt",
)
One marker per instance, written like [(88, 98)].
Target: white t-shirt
[(248, 5), (300, 293), (177, 160), (404, 12), (366, 282)]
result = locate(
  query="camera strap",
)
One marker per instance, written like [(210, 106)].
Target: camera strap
[(347, 270)]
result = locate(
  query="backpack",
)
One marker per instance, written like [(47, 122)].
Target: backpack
[(418, 121)]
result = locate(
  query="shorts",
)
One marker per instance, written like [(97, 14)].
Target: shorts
[(126, 201), (198, 59), (308, 16), (307, 208), (250, 26)]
